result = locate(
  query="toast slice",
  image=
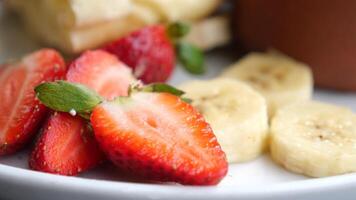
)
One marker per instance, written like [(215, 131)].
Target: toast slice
[(210, 33), (77, 25)]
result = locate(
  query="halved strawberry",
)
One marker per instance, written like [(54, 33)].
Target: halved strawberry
[(159, 137), (66, 145), (151, 133), (148, 51), (20, 111), (102, 72)]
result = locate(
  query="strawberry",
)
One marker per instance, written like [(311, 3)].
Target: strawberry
[(148, 51), (20, 111), (66, 145), (157, 136), (102, 72)]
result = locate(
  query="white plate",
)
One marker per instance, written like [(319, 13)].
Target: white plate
[(259, 179)]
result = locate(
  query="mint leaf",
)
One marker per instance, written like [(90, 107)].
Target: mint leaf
[(187, 100), (191, 57), (162, 87), (177, 30), (157, 87), (64, 96)]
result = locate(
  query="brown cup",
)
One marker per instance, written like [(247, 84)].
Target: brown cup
[(318, 32)]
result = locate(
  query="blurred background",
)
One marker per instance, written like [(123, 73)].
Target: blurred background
[(323, 35)]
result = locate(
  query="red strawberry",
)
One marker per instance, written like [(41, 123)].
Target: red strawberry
[(102, 72), (66, 145), (20, 111), (159, 137), (148, 51)]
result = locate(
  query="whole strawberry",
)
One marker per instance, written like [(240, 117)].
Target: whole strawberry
[(148, 51)]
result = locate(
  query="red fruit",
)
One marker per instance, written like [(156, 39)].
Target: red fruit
[(102, 72), (148, 51), (66, 145), (20, 111), (159, 137)]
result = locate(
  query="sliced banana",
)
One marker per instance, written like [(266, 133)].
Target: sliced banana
[(314, 139), (280, 79), (237, 114)]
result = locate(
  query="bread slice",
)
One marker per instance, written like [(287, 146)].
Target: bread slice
[(210, 33), (73, 13), (187, 10), (77, 25)]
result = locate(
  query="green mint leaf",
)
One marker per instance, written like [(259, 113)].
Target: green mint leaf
[(177, 30), (191, 57), (69, 97), (162, 87), (187, 100), (156, 87)]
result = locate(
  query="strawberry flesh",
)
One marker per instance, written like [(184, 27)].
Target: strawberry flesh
[(159, 137), (20, 111), (66, 145), (148, 51), (102, 72)]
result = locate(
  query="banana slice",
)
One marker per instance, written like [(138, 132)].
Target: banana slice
[(236, 113), (314, 139), (280, 79)]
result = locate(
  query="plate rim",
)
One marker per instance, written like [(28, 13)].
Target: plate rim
[(77, 184)]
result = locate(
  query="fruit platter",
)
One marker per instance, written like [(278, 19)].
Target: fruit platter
[(150, 115)]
